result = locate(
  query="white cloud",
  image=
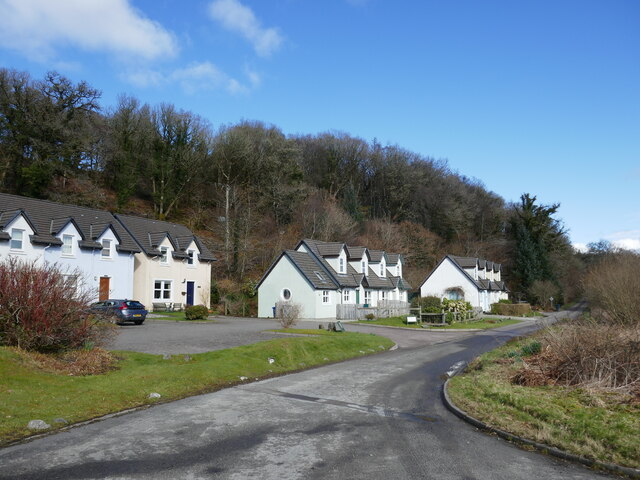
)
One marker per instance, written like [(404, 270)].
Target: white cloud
[(628, 239), (239, 18), (37, 27), (195, 78), (580, 247)]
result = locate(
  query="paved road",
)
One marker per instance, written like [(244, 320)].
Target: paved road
[(375, 417)]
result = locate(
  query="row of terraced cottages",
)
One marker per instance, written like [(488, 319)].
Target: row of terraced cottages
[(111, 256)]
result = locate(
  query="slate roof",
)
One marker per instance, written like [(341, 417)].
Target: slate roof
[(376, 255), (393, 258), (355, 253), (150, 233), (48, 218), (399, 282), (468, 262), (374, 281)]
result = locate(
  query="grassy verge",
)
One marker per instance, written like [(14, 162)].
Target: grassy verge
[(481, 324), (176, 317), (27, 393), (597, 425)]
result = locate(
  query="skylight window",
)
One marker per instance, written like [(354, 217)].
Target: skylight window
[(319, 275)]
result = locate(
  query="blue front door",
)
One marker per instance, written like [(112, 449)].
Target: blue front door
[(190, 289)]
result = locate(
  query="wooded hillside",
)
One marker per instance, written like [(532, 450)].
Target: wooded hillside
[(250, 191)]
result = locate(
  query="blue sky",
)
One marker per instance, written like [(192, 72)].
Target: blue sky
[(527, 96)]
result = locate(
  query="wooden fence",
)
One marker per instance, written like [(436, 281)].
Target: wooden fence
[(384, 309)]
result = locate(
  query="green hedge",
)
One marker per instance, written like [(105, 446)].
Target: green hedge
[(196, 312), (515, 309)]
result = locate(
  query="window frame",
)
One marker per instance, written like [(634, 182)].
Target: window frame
[(326, 297), (191, 260), (165, 286), (106, 246), (14, 232), (67, 248), (346, 296), (285, 294), (164, 255)]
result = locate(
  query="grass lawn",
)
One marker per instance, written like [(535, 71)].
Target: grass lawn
[(28, 393), (175, 317), (596, 425), (481, 324)]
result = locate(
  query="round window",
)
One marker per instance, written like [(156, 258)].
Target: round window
[(286, 294)]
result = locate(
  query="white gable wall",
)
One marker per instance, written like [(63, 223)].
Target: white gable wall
[(447, 276), (285, 275), (29, 252)]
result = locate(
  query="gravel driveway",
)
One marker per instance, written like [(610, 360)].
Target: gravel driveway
[(173, 338)]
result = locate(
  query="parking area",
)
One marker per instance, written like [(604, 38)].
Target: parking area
[(172, 338)]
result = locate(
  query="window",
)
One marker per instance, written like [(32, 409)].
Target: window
[(162, 290), (382, 270), (67, 244), (398, 271), (346, 296), (106, 248), (325, 297), (70, 282), (286, 294), (164, 255), (16, 239), (383, 295), (190, 259), (454, 294), (319, 275), (364, 267), (341, 265), (367, 297)]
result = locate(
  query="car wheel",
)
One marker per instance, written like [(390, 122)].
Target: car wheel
[(138, 322)]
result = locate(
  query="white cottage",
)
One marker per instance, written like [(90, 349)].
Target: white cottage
[(86, 244), (321, 275), (474, 280)]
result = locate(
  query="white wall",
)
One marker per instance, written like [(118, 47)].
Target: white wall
[(447, 276), (285, 275), (86, 263)]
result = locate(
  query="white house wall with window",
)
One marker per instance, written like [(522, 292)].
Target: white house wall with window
[(466, 278), (322, 275), (71, 237)]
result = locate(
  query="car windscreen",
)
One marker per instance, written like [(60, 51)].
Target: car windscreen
[(132, 304)]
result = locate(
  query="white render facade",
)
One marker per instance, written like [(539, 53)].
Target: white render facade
[(471, 279), (83, 243), (319, 276)]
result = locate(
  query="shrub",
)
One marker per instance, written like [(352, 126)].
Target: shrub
[(612, 288), (41, 310), (515, 309), (369, 316), (588, 353), (196, 312), (430, 304), (288, 313)]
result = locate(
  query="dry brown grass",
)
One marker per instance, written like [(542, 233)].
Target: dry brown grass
[(588, 353), (73, 363)]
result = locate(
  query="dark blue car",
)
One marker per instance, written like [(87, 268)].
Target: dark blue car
[(121, 310)]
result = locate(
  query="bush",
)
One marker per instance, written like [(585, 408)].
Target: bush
[(370, 316), (41, 310), (590, 353), (196, 312), (612, 287), (288, 313), (430, 304), (515, 309)]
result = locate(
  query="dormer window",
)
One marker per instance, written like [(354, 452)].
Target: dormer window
[(106, 248), (190, 259), (381, 270), (67, 245), (164, 255), (398, 271), (17, 237), (364, 267), (341, 265)]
